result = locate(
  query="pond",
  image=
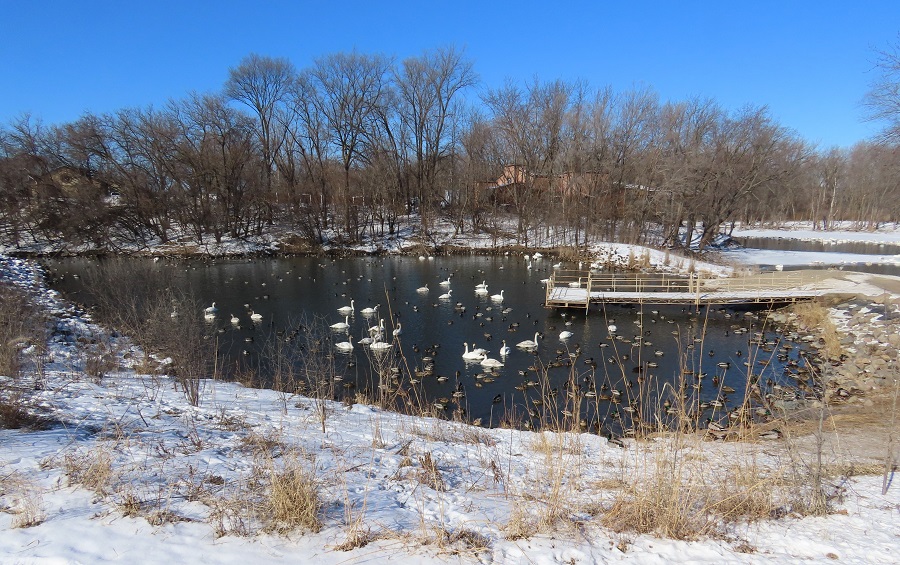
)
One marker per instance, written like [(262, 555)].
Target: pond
[(611, 370)]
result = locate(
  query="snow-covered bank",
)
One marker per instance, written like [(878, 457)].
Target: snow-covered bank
[(130, 471), (840, 232), (803, 258)]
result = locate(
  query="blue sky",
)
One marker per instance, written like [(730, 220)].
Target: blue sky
[(810, 62)]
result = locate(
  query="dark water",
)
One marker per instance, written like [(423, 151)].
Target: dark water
[(603, 373), (782, 244)]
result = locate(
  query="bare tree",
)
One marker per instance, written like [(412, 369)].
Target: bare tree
[(883, 99), (350, 87), (263, 84), (427, 87)]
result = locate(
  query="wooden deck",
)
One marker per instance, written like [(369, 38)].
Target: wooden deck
[(579, 289)]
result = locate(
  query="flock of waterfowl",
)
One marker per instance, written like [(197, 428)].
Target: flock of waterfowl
[(594, 390)]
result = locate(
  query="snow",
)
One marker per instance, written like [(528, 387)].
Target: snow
[(370, 465), (889, 233)]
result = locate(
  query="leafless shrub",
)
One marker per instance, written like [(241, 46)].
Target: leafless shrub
[(14, 413), (135, 297)]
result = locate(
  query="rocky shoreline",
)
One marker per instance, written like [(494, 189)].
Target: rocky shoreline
[(868, 334)]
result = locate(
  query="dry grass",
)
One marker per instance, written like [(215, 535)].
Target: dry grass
[(92, 469), (292, 500), (429, 474), (521, 524), (814, 317), (674, 495), (21, 325), (22, 498)]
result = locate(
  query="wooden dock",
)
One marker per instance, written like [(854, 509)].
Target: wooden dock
[(579, 289)]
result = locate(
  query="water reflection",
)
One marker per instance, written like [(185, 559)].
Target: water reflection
[(399, 329)]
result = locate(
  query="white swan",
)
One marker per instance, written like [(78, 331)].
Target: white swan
[(235, 320), (380, 345), (399, 329), (446, 282), (481, 289), (345, 345), (565, 334), (504, 350), (256, 317), (422, 289), (378, 329), (497, 297), (341, 326), (528, 343), (445, 296), (537, 255), (490, 362), (474, 355), (483, 284), (574, 284), (211, 309), (557, 265), (368, 311), (346, 309), (611, 328)]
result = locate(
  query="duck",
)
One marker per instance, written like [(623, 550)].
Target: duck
[(345, 345), (528, 343), (342, 326), (345, 310), (497, 297)]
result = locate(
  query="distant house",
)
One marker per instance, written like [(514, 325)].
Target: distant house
[(515, 180), (68, 182)]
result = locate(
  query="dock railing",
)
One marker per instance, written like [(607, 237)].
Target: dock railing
[(691, 288)]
